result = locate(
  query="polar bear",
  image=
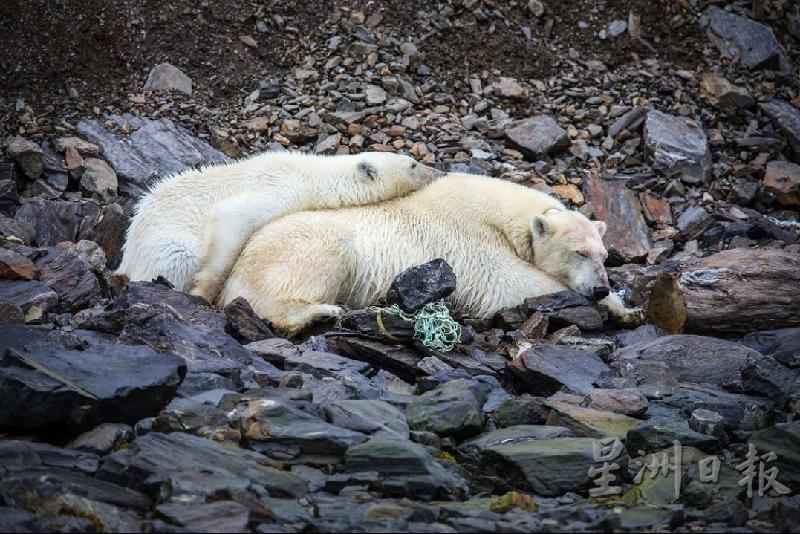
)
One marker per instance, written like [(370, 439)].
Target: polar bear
[(194, 224), (504, 241)]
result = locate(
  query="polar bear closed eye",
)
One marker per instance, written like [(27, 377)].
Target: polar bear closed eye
[(191, 226), (305, 266)]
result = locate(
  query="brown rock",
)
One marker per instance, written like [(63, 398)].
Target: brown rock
[(627, 237), (75, 163), (258, 124), (723, 93), (569, 192), (656, 210), (782, 179), (738, 290), (248, 41), (623, 401), (14, 266)]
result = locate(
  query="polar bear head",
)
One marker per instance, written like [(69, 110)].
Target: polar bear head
[(383, 175), (569, 247)]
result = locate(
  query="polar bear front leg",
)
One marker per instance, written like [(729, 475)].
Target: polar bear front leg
[(230, 225), (616, 308)]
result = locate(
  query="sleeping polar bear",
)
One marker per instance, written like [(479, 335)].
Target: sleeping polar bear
[(194, 224), (504, 241)]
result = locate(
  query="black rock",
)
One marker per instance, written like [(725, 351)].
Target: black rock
[(55, 221), (157, 461), (452, 409), (405, 469), (660, 434), (68, 274), (243, 322), (784, 441), (417, 286), (787, 118), (766, 376), (522, 410), (50, 388), (544, 369), (16, 454)]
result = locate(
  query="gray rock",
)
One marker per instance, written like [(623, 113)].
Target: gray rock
[(736, 409), (707, 422), (693, 222), (661, 433), (287, 434), (322, 364), (68, 274), (168, 77), (630, 121), (690, 358), (544, 369), (84, 148), (679, 146), (787, 118), (375, 417), (417, 286), (27, 155), (31, 296), (523, 410), (652, 378), (217, 516), (156, 148), (766, 376), (537, 136), (784, 441), (549, 467), (453, 409), (513, 434), (405, 469), (48, 387), (103, 439), (745, 41), (156, 461), (16, 454), (99, 179), (783, 345), (55, 221)]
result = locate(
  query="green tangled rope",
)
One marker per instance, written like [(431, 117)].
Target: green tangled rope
[(433, 325)]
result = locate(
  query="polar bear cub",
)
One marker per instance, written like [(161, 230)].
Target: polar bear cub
[(194, 224), (504, 241)]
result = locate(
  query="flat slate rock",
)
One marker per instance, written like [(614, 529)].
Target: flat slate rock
[(513, 434), (156, 148), (549, 467), (217, 516), (544, 369), (698, 359), (18, 454), (28, 293), (55, 221), (50, 388), (405, 468), (783, 345), (627, 237), (374, 417), (157, 459)]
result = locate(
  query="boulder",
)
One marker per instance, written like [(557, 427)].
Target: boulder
[(537, 136), (49, 388), (679, 146), (693, 358), (544, 369), (548, 467), (156, 148), (745, 41), (452, 409), (627, 237), (156, 462), (786, 118), (782, 179), (405, 468), (28, 156), (417, 286), (168, 77)]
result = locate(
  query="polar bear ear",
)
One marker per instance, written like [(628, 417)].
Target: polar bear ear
[(539, 226), (601, 227), (367, 171)]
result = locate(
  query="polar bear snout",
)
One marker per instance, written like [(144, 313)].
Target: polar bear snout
[(600, 292)]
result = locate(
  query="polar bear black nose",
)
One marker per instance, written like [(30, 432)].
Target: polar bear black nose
[(600, 292)]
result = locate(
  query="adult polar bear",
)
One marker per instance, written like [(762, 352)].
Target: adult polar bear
[(504, 241), (195, 223)]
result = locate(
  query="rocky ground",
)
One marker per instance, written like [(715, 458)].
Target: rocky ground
[(139, 408)]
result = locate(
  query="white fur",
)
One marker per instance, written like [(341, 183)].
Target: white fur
[(194, 224), (302, 267)]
